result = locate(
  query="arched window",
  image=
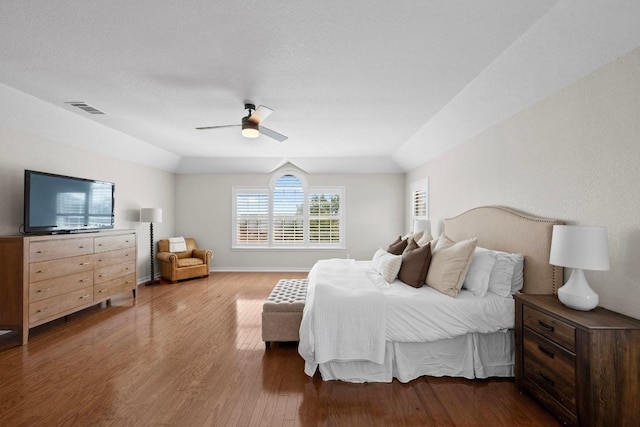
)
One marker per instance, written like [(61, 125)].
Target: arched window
[(288, 214), (288, 210)]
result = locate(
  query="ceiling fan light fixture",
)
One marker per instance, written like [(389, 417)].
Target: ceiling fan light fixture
[(249, 129)]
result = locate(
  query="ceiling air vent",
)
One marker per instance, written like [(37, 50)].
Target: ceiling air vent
[(86, 107)]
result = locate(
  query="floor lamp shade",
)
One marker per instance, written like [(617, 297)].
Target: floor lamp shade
[(151, 215), (580, 248)]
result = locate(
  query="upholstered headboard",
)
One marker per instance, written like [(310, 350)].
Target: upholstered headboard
[(504, 229)]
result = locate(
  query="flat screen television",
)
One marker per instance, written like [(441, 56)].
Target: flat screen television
[(65, 204)]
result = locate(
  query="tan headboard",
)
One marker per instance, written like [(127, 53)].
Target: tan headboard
[(504, 229)]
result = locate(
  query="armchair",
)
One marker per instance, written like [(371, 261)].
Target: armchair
[(176, 266)]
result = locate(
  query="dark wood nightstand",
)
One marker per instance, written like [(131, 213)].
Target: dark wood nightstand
[(584, 367)]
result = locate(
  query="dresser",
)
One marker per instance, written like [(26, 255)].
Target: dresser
[(584, 367), (44, 278)]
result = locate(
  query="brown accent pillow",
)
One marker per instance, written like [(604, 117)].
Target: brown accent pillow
[(398, 246), (415, 264)]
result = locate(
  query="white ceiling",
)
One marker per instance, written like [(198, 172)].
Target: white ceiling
[(357, 86)]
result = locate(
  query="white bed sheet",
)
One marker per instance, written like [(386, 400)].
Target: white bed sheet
[(408, 316)]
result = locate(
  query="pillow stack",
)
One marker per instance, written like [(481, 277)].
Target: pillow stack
[(448, 266), (497, 272)]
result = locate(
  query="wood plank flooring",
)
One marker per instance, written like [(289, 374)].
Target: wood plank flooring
[(191, 354)]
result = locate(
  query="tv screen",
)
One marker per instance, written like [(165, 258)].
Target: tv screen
[(65, 204)]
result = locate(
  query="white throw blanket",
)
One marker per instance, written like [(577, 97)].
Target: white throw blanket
[(177, 244), (344, 316)]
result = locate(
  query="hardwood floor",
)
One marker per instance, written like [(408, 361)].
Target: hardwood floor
[(191, 354)]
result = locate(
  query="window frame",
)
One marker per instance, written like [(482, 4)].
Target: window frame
[(305, 244)]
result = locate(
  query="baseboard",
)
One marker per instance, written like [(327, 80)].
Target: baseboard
[(259, 269)]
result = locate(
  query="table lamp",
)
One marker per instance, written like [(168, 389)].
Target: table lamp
[(422, 225), (580, 248)]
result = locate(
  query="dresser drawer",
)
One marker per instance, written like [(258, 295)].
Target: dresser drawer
[(49, 288), (49, 269), (551, 367), (105, 259), (115, 286), (56, 249), (108, 273), (51, 307), (550, 327), (112, 243)]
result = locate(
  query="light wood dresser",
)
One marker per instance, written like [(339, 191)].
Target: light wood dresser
[(582, 366), (47, 277)]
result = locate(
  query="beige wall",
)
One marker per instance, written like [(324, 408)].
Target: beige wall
[(574, 156), (136, 186), (374, 217)]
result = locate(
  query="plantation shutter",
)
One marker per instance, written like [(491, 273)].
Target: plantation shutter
[(420, 200), (325, 218), (288, 211), (252, 217)]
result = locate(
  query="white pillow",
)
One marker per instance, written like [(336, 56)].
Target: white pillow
[(415, 236), (507, 273), (388, 265), (477, 278)]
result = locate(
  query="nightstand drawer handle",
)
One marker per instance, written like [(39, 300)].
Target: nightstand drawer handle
[(544, 325), (546, 378), (545, 351)]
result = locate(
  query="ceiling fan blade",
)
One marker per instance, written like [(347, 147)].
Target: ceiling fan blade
[(273, 134), (260, 114), (217, 127)]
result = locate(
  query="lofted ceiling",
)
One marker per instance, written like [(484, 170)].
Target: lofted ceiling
[(357, 86)]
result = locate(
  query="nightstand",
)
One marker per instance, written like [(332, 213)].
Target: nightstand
[(584, 367)]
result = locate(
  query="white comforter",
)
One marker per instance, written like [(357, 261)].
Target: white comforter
[(351, 312)]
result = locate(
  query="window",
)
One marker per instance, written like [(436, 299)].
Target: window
[(288, 215), (420, 200), (288, 211), (251, 217), (324, 218)]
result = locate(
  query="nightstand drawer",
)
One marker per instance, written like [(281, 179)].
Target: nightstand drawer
[(550, 327), (551, 367)]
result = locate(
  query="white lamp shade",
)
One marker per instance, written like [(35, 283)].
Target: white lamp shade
[(421, 225), (151, 215), (581, 247)]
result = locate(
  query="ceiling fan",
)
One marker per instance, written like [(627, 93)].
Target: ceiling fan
[(251, 123)]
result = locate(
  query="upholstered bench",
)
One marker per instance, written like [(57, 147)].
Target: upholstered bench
[(282, 311)]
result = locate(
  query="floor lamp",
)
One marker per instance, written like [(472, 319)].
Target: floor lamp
[(151, 215)]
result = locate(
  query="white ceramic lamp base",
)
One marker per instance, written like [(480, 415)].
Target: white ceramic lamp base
[(577, 293)]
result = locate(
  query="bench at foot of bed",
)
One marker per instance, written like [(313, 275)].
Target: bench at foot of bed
[(282, 311)]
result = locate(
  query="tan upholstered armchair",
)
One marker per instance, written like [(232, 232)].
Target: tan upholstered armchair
[(176, 266)]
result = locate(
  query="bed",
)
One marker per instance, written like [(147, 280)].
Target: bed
[(358, 328)]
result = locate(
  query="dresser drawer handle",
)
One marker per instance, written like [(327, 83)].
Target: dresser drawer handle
[(545, 326), (40, 252), (41, 310), (41, 271), (547, 379), (84, 297), (43, 290), (83, 280), (85, 263), (545, 351), (102, 290)]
